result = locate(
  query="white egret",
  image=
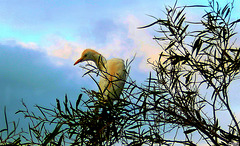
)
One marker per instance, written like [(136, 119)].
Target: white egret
[(113, 73)]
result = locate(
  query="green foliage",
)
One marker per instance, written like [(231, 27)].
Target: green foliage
[(185, 68), (172, 100), (10, 134)]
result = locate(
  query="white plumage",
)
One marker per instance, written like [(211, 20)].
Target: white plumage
[(113, 73)]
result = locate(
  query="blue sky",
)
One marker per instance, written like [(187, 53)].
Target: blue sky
[(40, 40)]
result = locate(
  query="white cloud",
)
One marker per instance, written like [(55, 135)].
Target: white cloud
[(62, 48), (122, 43), (30, 45), (15, 43), (145, 45), (119, 43)]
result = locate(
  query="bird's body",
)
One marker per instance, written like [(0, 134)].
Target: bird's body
[(113, 73)]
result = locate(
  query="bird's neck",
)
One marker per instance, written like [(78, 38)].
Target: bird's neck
[(100, 62)]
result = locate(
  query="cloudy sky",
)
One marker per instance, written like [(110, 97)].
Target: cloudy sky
[(40, 40)]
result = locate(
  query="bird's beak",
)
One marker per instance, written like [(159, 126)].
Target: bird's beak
[(79, 60)]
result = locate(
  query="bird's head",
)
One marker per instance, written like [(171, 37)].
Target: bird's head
[(87, 55)]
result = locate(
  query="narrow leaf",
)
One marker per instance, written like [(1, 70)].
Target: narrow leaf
[(78, 100), (5, 116), (52, 135), (197, 45), (189, 131)]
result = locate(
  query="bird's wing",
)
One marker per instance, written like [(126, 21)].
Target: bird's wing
[(115, 77)]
